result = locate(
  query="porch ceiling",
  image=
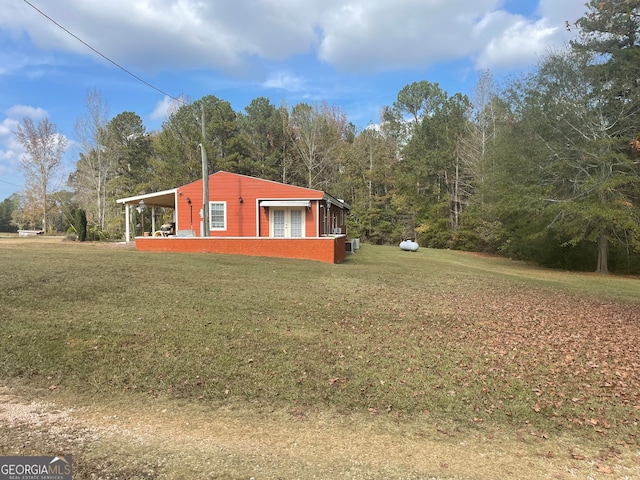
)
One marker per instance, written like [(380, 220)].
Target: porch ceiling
[(166, 198)]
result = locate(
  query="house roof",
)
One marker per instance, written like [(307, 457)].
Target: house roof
[(337, 201), (166, 198)]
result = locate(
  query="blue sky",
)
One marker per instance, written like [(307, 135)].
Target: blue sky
[(355, 54)]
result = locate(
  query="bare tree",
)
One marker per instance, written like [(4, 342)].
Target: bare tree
[(95, 166), (485, 108), (316, 134), (43, 147)]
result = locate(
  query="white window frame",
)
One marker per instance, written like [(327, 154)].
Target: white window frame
[(275, 226), (224, 216), (287, 222)]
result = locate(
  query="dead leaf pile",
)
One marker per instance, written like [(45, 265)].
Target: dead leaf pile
[(571, 351), (576, 358)]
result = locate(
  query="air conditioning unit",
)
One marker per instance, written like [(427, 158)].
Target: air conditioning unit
[(337, 230), (348, 246)]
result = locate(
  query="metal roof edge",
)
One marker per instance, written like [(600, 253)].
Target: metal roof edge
[(337, 201), (144, 196)]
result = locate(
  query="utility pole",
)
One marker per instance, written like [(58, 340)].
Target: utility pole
[(205, 181)]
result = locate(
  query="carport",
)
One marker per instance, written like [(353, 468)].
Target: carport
[(164, 199)]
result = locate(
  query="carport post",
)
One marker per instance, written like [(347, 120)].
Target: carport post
[(127, 219)]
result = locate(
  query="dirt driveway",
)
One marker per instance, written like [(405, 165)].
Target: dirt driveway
[(161, 440)]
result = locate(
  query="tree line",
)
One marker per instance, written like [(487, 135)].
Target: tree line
[(545, 167)]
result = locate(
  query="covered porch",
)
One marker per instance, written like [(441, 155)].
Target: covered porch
[(164, 199)]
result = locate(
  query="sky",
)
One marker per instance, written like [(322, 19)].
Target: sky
[(141, 55)]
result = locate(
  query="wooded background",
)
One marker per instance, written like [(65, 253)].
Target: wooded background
[(544, 167)]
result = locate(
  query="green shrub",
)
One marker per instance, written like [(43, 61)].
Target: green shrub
[(80, 220)]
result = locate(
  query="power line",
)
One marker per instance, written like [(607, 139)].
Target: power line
[(101, 54), (9, 183)]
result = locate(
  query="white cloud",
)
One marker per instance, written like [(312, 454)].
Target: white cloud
[(7, 127), (352, 35), (178, 33), (10, 148), (18, 112), (521, 43), (559, 11), (167, 106), (511, 41), (370, 36), (163, 109), (285, 81)]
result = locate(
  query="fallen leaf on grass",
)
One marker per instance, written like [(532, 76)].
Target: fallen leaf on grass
[(576, 456), (602, 468)]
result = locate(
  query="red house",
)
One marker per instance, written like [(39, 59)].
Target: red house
[(247, 216)]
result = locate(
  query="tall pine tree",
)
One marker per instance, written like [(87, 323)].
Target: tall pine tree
[(609, 39)]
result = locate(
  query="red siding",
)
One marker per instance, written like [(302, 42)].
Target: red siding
[(242, 216), (322, 249)]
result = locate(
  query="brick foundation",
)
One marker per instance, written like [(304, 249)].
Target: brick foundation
[(322, 249)]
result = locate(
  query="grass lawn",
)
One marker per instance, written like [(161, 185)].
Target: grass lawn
[(443, 347)]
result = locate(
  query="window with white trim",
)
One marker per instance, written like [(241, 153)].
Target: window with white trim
[(217, 215), (296, 223), (278, 223), (286, 222)]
